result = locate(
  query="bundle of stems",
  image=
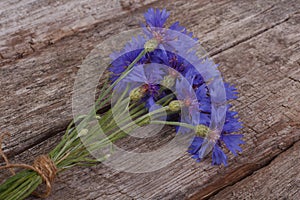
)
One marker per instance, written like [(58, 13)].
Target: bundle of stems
[(71, 151)]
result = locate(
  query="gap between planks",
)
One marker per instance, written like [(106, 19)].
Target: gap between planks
[(214, 193)]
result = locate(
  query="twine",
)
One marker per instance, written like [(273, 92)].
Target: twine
[(42, 165)]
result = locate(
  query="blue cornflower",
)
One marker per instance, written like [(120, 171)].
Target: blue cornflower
[(156, 17), (216, 138), (232, 123), (147, 77), (149, 74), (123, 58), (202, 102), (199, 88), (174, 38), (198, 79), (206, 67), (204, 119), (190, 105), (176, 27), (231, 91), (170, 59), (218, 156), (232, 142), (195, 147), (203, 99)]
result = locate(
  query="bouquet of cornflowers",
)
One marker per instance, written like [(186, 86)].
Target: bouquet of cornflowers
[(158, 78)]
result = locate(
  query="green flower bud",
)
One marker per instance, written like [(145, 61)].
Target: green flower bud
[(107, 156), (201, 130), (175, 105), (168, 81), (136, 94), (151, 45), (83, 132)]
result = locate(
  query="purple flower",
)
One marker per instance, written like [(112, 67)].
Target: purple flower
[(149, 74), (204, 119), (122, 59), (232, 142), (176, 27), (231, 91), (148, 77), (190, 105), (199, 86), (195, 147), (172, 39), (216, 138), (156, 17), (218, 156), (232, 123), (170, 59), (203, 99)]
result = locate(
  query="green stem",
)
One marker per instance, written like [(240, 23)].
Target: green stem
[(173, 124), (124, 74)]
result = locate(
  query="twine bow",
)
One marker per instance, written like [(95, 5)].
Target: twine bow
[(42, 165)]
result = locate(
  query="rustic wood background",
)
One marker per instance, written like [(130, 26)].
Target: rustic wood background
[(257, 43)]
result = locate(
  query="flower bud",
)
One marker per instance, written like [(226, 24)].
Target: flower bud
[(151, 45), (136, 94), (201, 130), (83, 132), (168, 81), (175, 105), (107, 156)]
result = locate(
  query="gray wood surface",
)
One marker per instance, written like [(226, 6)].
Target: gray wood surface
[(257, 43), (279, 180)]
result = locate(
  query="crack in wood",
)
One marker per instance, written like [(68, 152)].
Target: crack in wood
[(245, 39), (293, 79), (267, 163)]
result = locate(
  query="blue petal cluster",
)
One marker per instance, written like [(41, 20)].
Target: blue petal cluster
[(174, 51), (123, 58), (227, 139)]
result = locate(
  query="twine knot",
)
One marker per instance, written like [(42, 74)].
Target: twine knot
[(42, 165), (46, 168)]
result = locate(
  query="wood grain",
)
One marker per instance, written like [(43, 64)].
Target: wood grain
[(27, 26), (279, 180), (257, 44)]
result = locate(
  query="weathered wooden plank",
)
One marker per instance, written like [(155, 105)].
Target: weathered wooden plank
[(279, 180), (27, 26), (35, 89), (259, 52), (38, 77)]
